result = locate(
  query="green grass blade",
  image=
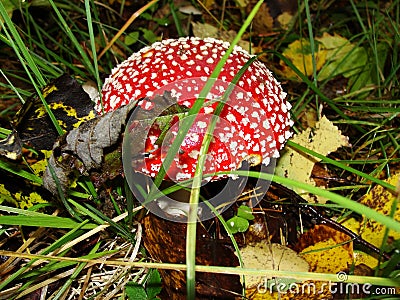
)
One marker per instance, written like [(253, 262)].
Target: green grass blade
[(43, 221), (198, 176), (22, 173), (27, 61), (85, 59)]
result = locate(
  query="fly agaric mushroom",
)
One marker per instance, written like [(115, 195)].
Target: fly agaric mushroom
[(253, 125)]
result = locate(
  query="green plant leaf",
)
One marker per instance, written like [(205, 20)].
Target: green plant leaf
[(153, 284), (132, 38), (245, 212), (135, 291), (237, 224), (149, 35)]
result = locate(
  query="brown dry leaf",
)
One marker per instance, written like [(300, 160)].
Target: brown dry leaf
[(324, 139), (166, 241), (263, 21), (381, 200), (272, 15)]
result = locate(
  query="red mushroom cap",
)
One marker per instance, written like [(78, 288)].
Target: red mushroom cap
[(253, 125)]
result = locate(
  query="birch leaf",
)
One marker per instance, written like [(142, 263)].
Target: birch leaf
[(276, 257), (324, 139)]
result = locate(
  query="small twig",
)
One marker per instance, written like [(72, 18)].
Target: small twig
[(319, 218)]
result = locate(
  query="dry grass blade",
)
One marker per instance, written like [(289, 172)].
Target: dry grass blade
[(126, 25)]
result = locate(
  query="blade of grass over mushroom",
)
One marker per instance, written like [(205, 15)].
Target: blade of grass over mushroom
[(188, 121), (27, 62), (198, 175)]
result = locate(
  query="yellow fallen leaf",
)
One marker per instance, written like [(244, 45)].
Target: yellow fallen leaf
[(339, 49), (337, 46), (326, 250), (381, 200), (324, 139), (334, 55), (299, 53)]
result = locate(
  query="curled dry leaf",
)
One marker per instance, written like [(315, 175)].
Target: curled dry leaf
[(82, 149)]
